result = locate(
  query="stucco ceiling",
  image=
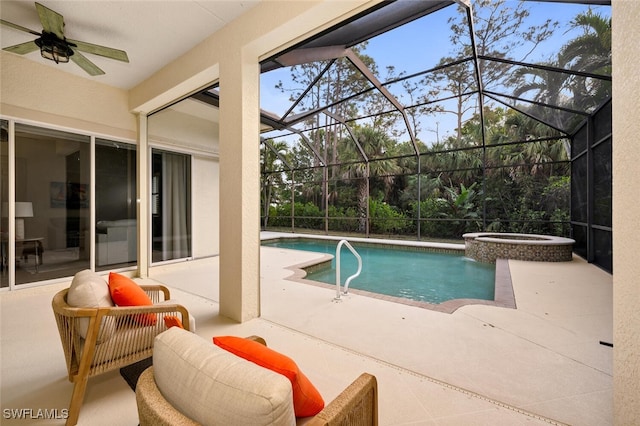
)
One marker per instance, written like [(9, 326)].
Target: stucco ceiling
[(153, 33)]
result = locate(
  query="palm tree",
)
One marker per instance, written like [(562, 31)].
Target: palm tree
[(545, 84), (375, 144), (590, 52), (272, 179)]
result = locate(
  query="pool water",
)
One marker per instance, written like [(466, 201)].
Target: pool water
[(417, 275)]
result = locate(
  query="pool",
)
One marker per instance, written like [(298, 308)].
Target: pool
[(411, 273)]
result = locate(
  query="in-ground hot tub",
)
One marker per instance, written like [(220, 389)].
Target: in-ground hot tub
[(489, 246)]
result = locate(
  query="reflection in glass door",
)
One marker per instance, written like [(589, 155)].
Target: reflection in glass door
[(116, 225), (52, 181), (170, 205)]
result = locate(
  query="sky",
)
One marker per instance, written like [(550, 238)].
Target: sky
[(420, 45)]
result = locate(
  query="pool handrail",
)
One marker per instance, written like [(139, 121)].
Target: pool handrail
[(346, 283)]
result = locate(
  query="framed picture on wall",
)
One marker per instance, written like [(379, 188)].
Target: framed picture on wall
[(69, 195), (58, 194)]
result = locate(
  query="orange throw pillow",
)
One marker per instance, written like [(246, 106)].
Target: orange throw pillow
[(172, 321), (307, 401), (125, 292)]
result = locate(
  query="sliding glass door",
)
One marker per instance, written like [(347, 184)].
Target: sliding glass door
[(4, 202), (170, 206), (116, 224), (52, 209), (72, 189), (50, 180)]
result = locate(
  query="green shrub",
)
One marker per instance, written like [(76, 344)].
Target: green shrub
[(386, 219)]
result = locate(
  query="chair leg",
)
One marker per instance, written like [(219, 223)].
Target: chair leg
[(77, 397)]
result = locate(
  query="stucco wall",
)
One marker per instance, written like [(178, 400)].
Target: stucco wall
[(205, 185), (186, 130), (626, 219), (33, 91)]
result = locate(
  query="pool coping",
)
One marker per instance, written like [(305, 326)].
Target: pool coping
[(504, 296)]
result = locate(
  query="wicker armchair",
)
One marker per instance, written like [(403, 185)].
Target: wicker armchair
[(356, 405), (115, 337)]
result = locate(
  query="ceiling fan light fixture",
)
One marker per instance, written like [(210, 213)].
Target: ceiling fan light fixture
[(54, 49)]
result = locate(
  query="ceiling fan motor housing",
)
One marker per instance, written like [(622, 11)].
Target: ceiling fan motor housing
[(54, 48)]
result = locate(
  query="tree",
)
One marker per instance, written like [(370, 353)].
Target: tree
[(458, 173), (590, 52), (272, 177), (462, 208), (323, 84), (500, 32), (374, 143), (546, 84)]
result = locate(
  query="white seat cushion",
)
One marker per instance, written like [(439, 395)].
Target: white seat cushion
[(214, 387)]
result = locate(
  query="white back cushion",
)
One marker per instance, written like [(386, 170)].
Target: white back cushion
[(90, 290), (215, 387)]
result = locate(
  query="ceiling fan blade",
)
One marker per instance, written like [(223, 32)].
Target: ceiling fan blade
[(85, 64), (52, 22), (107, 52), (19, 27), (22, 48)]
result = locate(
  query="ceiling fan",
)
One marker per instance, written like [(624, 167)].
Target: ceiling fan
[(56, 47)]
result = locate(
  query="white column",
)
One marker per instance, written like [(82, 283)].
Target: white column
[(239, 186)]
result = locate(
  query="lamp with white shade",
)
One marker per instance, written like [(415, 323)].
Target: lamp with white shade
[(23, 209)]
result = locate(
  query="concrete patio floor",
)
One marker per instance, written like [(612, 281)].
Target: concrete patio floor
[(541, 363)]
